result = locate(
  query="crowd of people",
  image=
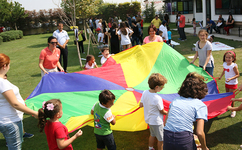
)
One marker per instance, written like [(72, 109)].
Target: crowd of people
[(175, 132)]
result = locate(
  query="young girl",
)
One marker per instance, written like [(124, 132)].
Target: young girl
[(194, 26), (90, 62), (125, 34), (231, 74), (204, 51), (56, 132)]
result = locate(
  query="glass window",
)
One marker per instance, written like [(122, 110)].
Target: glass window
[(199, 7), (185, 7), (228, 6)]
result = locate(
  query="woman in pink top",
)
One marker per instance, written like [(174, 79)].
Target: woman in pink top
[(152, 37), (49, 57)]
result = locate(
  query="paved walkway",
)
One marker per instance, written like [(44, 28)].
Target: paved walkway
[(224, 36)]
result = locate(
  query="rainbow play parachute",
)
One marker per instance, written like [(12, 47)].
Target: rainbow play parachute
[(126, 75)]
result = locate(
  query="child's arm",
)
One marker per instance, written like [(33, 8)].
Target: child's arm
[(113, 122), (201, 134), (236, 74), (62, 143), (163, 112), (195, 57), (92, 112), (166, 118), (221, 75), (141, 105), (96, 65), (235, 108)]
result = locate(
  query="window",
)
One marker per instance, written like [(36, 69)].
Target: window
[(185, 7), (228, 6), (199, 6)]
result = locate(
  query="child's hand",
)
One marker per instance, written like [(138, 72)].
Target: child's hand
[(79, 133), (233, 99), (229, 107), (228, 79), (219, 78)]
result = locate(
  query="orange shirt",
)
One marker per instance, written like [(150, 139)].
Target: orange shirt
[(50, 59), (182, 23)]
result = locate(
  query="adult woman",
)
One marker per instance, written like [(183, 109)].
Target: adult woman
[(152, 37), (99, 25), (114, 41), (185, 110), (12, 108), (229, 24), (49, 57), (204, 51)]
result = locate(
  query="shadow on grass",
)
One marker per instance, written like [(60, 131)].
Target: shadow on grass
[(38, 45), (36, 75)]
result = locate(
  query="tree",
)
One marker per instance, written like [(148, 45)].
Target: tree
[(149, 12), (4, 12)]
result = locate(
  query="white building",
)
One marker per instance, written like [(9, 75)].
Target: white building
[(157, 3), (202, 9)]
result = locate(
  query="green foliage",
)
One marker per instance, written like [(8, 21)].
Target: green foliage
[(11, 35), (1, 40), (149, 12)]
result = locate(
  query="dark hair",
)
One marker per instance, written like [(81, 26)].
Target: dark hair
[(4, 60), (105, 48), (126, 24), (44, 112), (160, 31), (179, 12), (153, 27), (106, 96), (123, 28), (51, 38), (193, 86), (89, 57), (114, 25), (232, 53), (193, 19), (212, 36), (168, 28), (156, 79), (231, 17), (156, 15), (133, 21), (60, 23)]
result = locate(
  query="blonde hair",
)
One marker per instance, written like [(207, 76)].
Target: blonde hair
[(203, 31)]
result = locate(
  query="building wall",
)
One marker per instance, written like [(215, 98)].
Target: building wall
[(188, 18)]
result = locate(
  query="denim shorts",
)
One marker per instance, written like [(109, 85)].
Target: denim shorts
[(13, 133), (107, 140)]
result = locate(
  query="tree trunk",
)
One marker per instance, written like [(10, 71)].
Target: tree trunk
[(15, 26)]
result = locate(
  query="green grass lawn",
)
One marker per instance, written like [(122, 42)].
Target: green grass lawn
[(224, 132)]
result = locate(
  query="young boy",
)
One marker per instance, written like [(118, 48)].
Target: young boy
[(169, 36), (102, 119), (160, 34), (154, 110), (106, 55), (100, 37)]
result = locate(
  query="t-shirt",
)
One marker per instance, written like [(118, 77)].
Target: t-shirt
[(102, 118), (157, 39), (114, 37), (164, 30), (61, 36), (183, 112), (156, 23), (100, 37), (202, 53), (50, 59), (152, 103), (182, 23), (56, 130), (8, 114), (229, 73), (103, 59), (90, 23), (211, 22), (125, 40), (90, 67), (169, 34), (96, 21)]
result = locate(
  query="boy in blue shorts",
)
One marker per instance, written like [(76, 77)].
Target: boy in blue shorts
[(154, 109), (102, 119)]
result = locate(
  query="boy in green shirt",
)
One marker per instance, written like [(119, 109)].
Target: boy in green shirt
[(102, 119)]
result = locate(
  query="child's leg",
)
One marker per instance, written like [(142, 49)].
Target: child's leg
[(151, 141), (128, 46), (231, 90), (124, 47), (160, 145)]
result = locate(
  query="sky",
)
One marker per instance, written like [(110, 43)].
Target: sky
[(48, 4)]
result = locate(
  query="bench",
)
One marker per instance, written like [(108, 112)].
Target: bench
[(237, 27)]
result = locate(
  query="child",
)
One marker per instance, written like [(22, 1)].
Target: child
[(90, 62), (231, 74), (102, 119), (106, 55), (125, 33), (56, 132), (153, 109), (160, 34), (169, 36), (194, 23), (100, 37), (211, 38)]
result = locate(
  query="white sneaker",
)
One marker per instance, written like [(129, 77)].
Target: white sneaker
[(233, 114)]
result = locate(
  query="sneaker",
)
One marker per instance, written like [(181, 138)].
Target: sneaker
[(28, 135), (233, 114), (179, 39), (66, 71)]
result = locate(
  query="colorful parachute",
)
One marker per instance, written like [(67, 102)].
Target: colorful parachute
[(126, 75)]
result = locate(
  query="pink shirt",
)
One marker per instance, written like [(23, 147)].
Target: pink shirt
[(157, 39), (50, 59)]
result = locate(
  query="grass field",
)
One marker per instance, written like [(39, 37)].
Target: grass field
[(224, 132)]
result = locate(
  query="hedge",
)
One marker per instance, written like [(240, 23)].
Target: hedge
[(1, 40), (11, 35)]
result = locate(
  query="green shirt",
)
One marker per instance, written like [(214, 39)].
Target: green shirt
[(102, 119)]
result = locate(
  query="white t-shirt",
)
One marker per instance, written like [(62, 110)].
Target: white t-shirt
[(100, 35), (8, 114), (152, 103), (99, 25), (90, 67), (61, 36), (96, 21), (229, 73), (202, 53), (125, 40), (164, 30), (103, 59)]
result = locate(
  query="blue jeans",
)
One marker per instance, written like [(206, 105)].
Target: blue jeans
[(13, 133), (135, 39), (209, 69)]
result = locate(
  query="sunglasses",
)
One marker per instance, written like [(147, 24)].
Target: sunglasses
[(53, 43)]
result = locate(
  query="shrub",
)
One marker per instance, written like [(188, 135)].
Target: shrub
[(11, 35), (1, 40)]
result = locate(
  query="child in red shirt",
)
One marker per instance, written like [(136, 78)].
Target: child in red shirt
[(56, 132)]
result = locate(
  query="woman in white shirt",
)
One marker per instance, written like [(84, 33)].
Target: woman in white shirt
[(125, 33), (12, 108)]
